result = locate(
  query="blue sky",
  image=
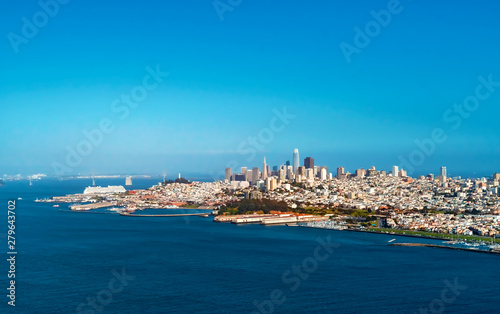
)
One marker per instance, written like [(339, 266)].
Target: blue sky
[(226, 77)]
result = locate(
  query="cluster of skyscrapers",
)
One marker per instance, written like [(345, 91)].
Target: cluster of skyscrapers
[(269, 178), (395, 172)]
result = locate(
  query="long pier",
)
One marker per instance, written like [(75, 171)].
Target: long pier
[(91, 206), (445, 247)]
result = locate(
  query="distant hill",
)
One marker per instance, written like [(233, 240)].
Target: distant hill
[(178, 180)]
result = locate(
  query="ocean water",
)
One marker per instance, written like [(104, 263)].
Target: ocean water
[(67, 260)]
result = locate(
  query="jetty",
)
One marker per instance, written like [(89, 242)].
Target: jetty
[(79, 207), (446, 247)]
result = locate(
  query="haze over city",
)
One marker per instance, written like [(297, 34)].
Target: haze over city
[(228, 74)]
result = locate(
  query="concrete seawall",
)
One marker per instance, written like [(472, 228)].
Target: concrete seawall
[(444, 247)]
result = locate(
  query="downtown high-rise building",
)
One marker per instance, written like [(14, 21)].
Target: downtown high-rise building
[(310, 173), (282, 174), (360, 173), (322, 174), (309, 162), (395, 171), (443, 172), (289, 173), (442, 175), (340, 172), (264, 170), (301, 171), (228, 174), (248, 175), (255, 175), (295, 160)]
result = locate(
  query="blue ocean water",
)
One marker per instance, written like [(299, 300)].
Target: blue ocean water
[(67, 260)]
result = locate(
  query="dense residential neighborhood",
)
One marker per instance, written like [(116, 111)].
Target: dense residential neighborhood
[(393, 200)]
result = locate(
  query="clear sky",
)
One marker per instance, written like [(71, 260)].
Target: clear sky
[(231, 67)]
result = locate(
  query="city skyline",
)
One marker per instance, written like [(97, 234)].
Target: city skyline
[(308, 170), (216, 175)]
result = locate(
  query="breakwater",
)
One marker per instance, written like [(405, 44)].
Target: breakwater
[(445, 247)]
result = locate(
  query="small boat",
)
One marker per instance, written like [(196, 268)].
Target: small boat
[(19, 198), (55, 205), (391, 240), (117, 210)]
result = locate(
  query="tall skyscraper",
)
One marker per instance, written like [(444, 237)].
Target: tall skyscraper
[(340, 172), (255, 175), (443, 172), (249, 175), (309, 162), (442, 176), (264, 170), (228, 174), (295, 160), (322, 174), (395, 171)]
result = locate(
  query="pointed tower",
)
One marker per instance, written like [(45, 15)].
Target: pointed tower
[(264, 170)]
